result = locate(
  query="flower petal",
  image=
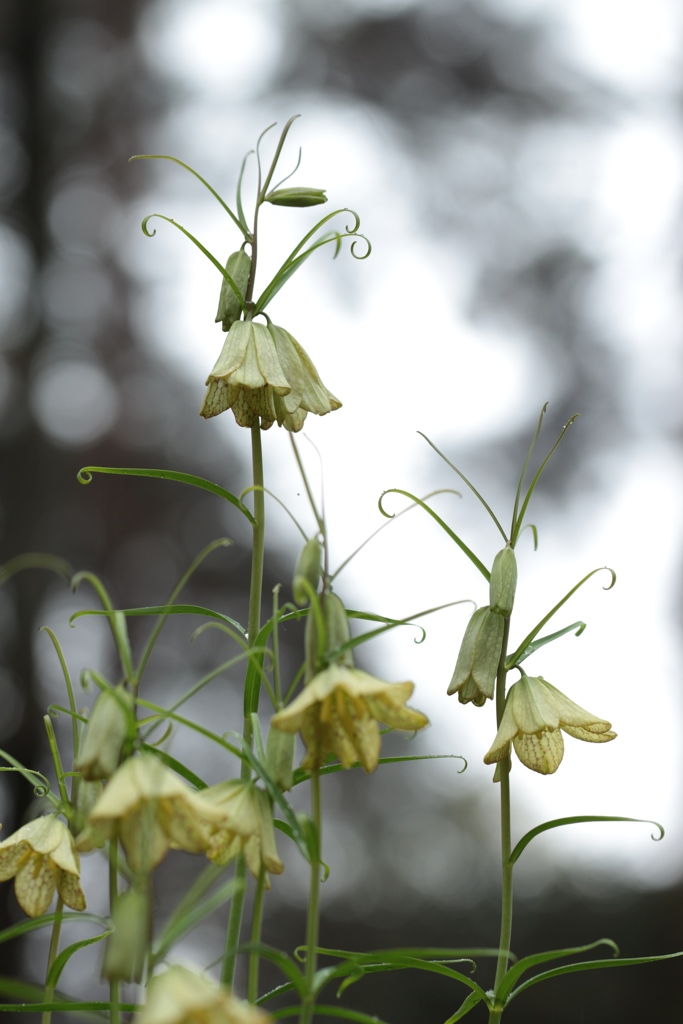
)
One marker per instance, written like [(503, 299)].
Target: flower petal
[(69, 888), (12, 857), (542, 752), (34, 885)]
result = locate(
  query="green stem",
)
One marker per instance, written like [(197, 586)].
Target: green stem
[(54, 949), (505, 839), (114, 991), (232, 937), (313, 918), (256, 925)]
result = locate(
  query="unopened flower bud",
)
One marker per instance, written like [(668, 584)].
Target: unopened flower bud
[(124, 958), (297, 196), (474, 678), (280, 758), (336, 633), (503, 581), (308, 567), (229, 308), (105, 734)]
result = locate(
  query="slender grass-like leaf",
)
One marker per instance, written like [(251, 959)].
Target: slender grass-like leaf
[(191, 916), (591, 965), (539, 626), (175, 160), (472, 1000), (526, 963), (84, 476), (35, 560), (575, 820), (437, 518), (276, 956), (529, 453), (62, 960), (330, 1011), (177, 766), (164, 609), (35, 923), (576, 627), (469, 484), (301, 775), (517, 524)]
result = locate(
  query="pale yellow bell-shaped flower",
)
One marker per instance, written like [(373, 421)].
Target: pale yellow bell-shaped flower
[(337, 713), (179, 996), (150, 809), (535, 716), (246, 826), (41, 857), (263, 372)]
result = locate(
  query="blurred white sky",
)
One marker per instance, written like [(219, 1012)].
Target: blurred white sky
[(400, 364)]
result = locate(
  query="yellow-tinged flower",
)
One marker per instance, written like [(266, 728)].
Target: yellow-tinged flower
[(337, 713), (535, 715), (41, 857), (263, 371), (474, 676), (246, 825), (150, 809), (179, 996)]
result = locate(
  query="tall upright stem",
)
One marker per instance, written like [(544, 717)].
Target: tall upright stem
[(505, 838), (54, 949), (313, 919), (232, 937)]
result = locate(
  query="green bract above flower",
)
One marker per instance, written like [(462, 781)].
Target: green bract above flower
[(535, 715), (263, 371), (148, 807), (179, 996), (337, 713), (41, 857), (474, 676)]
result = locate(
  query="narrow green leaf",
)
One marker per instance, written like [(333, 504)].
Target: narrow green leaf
[(84, 476), (164, 609), (542, 641), (539, 626), (575, 820), (35, 560), (175, 160), (472, 1000), (62, 960), (341, 1012), (301, 775), (591, 965), (517, 970), (469, 484), (280, 959), (437, 518), (35, 923), (177, 766)]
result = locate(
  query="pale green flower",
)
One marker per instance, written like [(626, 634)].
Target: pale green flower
[(41, 857), (179, 996), (337, 713), (535, 716), (151, 810), (246, 826), (474, 676), (263, 371)]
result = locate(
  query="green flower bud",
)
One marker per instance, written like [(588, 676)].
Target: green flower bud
[(503, 581), (336, 633), (105, 734), (280, 758), (297, 196), (229, 309), (124, 957), (308, 567), (474, 678)]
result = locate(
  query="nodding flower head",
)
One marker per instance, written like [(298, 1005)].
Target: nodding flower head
[(535, 716), (474, 676), (41, 857), (179, 996), (337, 713), (263, 372)]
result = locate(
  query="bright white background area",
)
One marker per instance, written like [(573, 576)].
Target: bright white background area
[(389, 340)]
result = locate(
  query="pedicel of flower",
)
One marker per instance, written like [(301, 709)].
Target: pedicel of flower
[(41, 856), (535, 716)]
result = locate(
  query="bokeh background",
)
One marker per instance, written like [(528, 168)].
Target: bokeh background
[(517, 167)]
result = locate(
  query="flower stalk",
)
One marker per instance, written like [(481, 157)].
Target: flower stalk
[(313, 911), (505, 838)]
